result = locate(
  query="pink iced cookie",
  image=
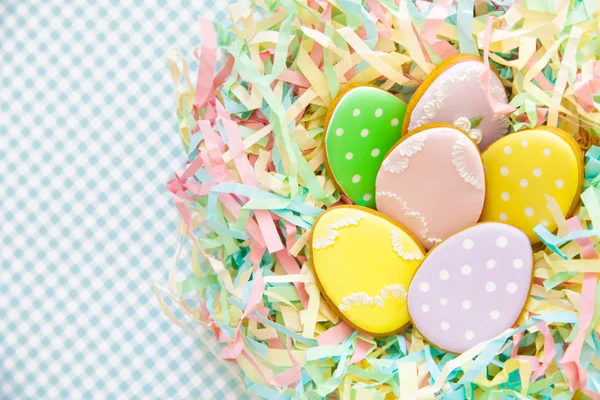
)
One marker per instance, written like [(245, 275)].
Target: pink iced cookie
[(472, 287), (453, 93), (433, 183)]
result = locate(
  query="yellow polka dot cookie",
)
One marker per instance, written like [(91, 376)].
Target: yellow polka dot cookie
[(526, 167), (364, 262)]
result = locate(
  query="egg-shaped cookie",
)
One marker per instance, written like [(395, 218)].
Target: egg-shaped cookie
[(472, 287), (453, 93), (433, 183), (364, 122), (363, 263), (526, 167)]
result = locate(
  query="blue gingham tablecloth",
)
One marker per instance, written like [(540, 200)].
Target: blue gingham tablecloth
[(88, 139)]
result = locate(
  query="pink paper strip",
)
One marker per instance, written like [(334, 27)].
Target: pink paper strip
[(516, 341), (335, 335), (263, 217), (295, 78), (224, 73), (361, 348), (207, 61), (377, 10), (549, 350), (290, 239)]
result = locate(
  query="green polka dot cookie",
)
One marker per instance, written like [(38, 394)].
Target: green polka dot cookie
[(362, 125)]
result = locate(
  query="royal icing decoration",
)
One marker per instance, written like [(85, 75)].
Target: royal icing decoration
[(527, 169), (364, 267), (364, 124), (472, 287), (433, 183), (454, 94)]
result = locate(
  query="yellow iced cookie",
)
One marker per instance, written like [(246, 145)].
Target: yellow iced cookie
[(525, 167), (364, 262)]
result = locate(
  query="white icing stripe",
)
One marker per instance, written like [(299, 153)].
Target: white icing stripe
[(397, 246), (404, 208), (431, 108), (332, 231), (395, 168), (411, 147), (434, 240), (460, 165), (362, 299)]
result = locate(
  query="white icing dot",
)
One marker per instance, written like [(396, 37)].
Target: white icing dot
[(505, 196), (503, 216), (467, 244), (511, 287), (504, 171), (424, 287), (378, 112), (517, 263), (349, 156), (502, 241), (469, 335), (490, 286), (529, 211), (524, 143), (375, 153), (507, 150), (537, 172), (356, 112), (444, 275), (546, 152), (559, 183), (425, 308), (466, 304), (367, 197), (545, 223), (356, 178), (444, 301), (490, 264), (465, 269), (445, 325), (339, 131), (364, 133), (523, 182), (495, 314), (395, 122)]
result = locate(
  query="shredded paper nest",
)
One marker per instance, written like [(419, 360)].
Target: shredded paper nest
[(254, 181)]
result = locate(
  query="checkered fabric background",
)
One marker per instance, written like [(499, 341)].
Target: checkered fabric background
[(88, 140)]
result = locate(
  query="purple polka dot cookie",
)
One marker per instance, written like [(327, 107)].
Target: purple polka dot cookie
[(471, 287)]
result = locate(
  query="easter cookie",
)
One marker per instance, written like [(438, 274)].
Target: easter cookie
[(364, 123), (526, 167), (472, 287), (433, 183), (453, 93), (363, 263)]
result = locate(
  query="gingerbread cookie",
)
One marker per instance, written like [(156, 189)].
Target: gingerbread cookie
[(433, 183), (364, 123), (471, 287), (526, 167), (363, 263), (453, 93)]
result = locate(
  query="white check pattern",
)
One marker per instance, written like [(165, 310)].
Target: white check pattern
[(88, 139)]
